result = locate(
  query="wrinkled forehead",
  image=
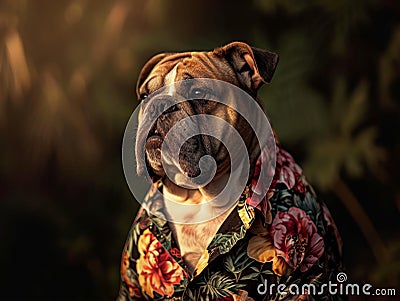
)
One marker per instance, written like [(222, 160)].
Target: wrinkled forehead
[(182, 66)]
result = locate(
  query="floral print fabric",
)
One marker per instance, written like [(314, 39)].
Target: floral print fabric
[(296, 239), (287, 237), (158, 271)]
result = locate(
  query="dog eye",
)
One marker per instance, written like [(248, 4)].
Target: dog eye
[(143, 96), (198, 93)]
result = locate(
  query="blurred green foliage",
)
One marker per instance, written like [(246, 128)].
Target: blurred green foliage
[(67, 77)]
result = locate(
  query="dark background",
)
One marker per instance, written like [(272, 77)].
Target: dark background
[(67, 75)]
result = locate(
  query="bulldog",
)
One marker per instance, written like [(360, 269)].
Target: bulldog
[(249, 249)]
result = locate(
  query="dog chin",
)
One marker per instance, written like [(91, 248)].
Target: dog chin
[(185, 174), (184, 181)]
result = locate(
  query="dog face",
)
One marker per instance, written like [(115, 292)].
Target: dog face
[(236, 63)]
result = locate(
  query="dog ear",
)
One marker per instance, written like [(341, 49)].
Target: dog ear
[(147, 68), (253, 66)]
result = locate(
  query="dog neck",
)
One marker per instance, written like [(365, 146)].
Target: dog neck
[(193, 239)]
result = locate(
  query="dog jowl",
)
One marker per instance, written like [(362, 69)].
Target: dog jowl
[(228, 208)]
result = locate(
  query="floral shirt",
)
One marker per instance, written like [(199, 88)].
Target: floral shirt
[(288, 238)]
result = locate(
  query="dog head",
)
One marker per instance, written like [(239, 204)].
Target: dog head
[(236, 63)]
